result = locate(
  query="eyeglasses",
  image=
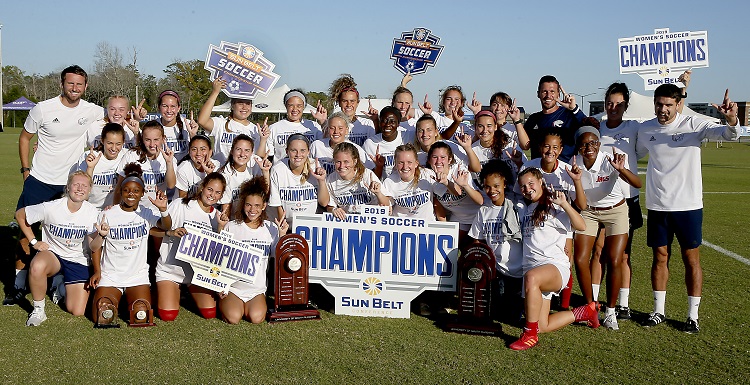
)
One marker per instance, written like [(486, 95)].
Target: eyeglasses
[(592, 144)]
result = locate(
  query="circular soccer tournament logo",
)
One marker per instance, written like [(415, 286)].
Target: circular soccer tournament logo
[(663, 71), (234, 85), (372, 286), (215, 271), (248, 52), (420, 34)]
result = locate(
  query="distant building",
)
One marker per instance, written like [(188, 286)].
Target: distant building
[(743, 111), (596, 107)]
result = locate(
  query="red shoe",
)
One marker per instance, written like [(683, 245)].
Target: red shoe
[(527, 341), (592, 315)]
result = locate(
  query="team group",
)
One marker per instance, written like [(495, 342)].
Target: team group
[(576, 200)]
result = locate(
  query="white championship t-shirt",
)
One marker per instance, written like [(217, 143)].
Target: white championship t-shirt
[(188, 177), (290, 193), (178, 140), (409, 200), (387, 150), (322, 151), (264, 238), (351, 196), (283, 129), (154, 174), (104, 178), (488, 226), (544, 244), (624, 138), (94, 135), (65, 232), (224, 135), (125, 248)]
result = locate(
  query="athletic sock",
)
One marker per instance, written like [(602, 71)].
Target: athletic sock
[(531, 329), (20, 282), (595, 291), (208, 312), (610, 311), (660, 297), (693, 305), (624, 296), (39, 304)]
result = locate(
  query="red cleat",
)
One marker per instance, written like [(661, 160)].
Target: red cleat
[(527, 341)]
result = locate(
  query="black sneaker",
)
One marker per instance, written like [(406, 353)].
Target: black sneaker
[(691, 326), (623, 312), (13, 297), (654, 319)]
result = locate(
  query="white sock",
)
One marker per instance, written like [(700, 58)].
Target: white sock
[(624, 296), (660, 297), (693, 305), (21, 279), (610, 311), (595, 291), (39, 304)]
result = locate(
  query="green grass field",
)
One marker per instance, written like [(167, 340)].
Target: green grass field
[(342, 349)]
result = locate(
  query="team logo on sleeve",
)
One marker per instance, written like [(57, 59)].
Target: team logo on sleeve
[(415, 51)]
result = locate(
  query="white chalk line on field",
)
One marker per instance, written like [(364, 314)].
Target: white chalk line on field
[(728, 253)]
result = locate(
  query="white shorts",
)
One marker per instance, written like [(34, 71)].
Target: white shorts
[(564, 270), (246, 291), (176, 271)]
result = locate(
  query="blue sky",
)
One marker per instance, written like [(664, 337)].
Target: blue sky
[(489, 46)]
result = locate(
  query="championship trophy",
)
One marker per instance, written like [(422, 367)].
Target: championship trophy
[(291, 287), (476, 268), (141, 314), (106, 314)]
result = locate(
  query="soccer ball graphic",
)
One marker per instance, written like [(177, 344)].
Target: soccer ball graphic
[(233, 85)]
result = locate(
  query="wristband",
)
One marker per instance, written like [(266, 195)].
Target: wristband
[(33, 242), (575, 110), (24, 169), (519, 121), (164, 214)]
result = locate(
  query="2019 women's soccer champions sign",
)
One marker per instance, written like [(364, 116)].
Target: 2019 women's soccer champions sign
[(415, 51), (375, 264), (247, 72), (662, 57)]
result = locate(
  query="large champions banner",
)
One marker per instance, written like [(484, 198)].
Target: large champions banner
[(247, 72), (374, 264), (662, 57)]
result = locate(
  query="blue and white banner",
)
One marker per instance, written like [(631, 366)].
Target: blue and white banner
[(415, 51), (375, 265), (662, 57), (244, 68), (218, 260)]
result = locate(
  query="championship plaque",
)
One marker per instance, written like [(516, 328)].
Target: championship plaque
[(476, 268), (291, 286), (141, 314), (106, 314)]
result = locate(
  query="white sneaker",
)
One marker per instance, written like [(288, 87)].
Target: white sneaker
[(36, 317), (610, 322)]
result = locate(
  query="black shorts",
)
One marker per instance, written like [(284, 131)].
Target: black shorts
[(663, 226)]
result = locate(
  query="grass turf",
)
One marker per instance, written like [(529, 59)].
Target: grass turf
[(345, 349)]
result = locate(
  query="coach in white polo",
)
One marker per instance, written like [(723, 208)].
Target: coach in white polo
[(60, 124), (674, 192)]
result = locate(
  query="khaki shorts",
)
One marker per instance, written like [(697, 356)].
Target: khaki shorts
[(615, 221)]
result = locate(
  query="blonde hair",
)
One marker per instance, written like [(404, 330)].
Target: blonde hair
[(408, 147), (73, 175)]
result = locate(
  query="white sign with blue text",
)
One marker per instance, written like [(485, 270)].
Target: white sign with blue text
[(218, 260), (662, 57), (374, 264)]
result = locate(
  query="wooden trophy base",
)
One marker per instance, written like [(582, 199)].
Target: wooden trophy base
[(303, 313), (475, 327)]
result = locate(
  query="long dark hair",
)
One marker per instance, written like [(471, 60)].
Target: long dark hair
[(110, 128), (141, 148), (544, 205), (230, 159)]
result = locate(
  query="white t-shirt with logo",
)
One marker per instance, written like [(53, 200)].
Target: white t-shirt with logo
[(624, 138), (104, 178), (64, 231), (154, 174), (414, 201), (188, 177), (488, 226), (352, 196), (290, 193), (360, 129), (600, 182), (545, 244), (387, 150), (235, 179), (61, 137), (94, 135), (178, 140), (125, 248)]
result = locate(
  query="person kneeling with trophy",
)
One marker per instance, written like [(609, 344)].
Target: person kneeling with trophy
[(120, 264)]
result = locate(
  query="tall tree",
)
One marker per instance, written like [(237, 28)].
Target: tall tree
[(192, 81)]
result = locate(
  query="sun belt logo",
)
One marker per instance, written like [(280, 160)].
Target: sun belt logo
[(215, 271), (372, 286)]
